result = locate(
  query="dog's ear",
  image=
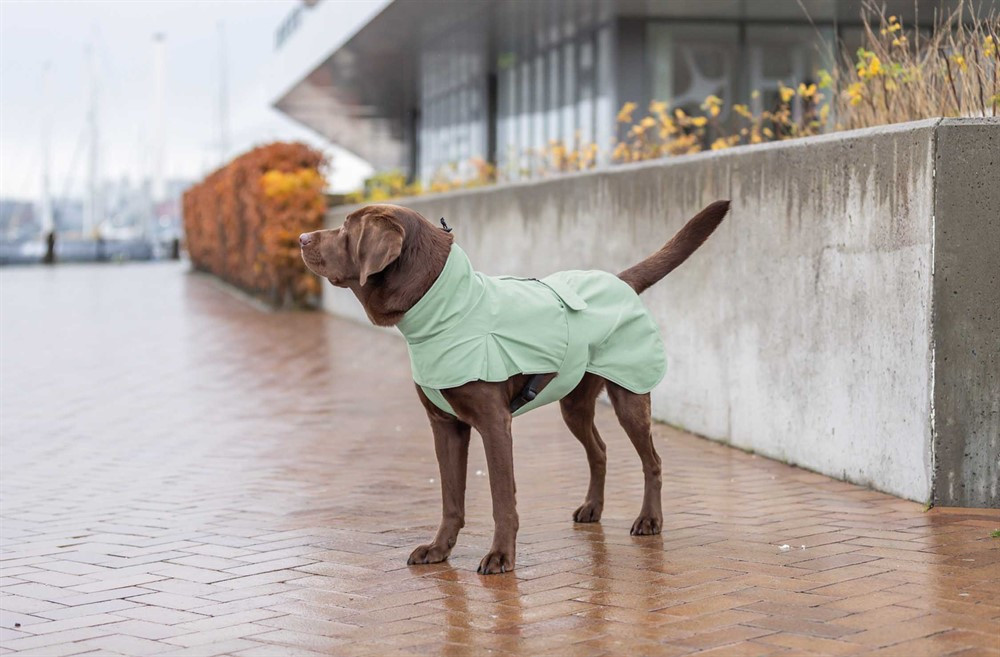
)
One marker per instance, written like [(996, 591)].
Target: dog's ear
[(379, 244)]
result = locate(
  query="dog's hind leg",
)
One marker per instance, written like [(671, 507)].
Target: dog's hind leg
[(578, 412), (634, 415)]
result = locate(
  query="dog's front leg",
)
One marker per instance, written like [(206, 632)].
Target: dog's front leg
[(485, 406), (500, 461), (451, 443)]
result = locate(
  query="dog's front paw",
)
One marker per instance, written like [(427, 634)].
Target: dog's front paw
[(427, 554), (588, 512), (496, 562), (646, 526)]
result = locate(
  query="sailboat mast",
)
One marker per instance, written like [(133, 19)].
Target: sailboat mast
[(45, 213), (223, 97), (92, 215), (159, 98)]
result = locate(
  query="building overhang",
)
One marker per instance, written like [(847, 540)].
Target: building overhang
[(359, 94)]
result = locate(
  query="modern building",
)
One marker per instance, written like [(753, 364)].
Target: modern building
[(421, 85)]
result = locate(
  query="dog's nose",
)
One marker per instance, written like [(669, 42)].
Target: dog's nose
[(305, 239)]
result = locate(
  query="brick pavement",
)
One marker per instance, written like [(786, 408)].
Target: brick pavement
[(183, 474)]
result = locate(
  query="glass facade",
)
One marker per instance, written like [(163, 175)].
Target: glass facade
[(453, 99), (553, 81), (502, 81)]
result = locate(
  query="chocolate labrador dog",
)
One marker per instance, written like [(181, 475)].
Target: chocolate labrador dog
[(391, 257)]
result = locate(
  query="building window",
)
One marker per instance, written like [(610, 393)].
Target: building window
[(453, 100), (688, 62), (554, 82), (786, 55)]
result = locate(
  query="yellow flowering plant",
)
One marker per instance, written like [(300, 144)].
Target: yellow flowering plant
[(901, 74), (660, 133), (558, 157)]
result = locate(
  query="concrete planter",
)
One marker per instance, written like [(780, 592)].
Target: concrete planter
[(844, 318)]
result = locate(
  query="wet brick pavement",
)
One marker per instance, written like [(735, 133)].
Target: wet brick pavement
[(183, 474)]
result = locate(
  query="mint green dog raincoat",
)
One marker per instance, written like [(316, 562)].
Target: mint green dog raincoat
[(470, 327)]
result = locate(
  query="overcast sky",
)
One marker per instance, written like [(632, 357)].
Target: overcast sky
[(58, 32)]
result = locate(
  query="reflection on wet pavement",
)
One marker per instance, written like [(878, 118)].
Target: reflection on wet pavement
[(186, 474)]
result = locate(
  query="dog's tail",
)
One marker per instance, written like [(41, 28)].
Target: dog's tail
[(677, 250)]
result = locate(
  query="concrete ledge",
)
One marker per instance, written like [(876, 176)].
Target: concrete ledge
[(820, 325)]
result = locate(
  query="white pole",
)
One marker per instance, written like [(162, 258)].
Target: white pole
[(93, 212), (47, 219), (223, 98), (159, 127)]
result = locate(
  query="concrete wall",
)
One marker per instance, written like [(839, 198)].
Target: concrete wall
[(966, 314), (806, 328)]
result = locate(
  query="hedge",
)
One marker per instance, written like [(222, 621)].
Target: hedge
[(242, 222)]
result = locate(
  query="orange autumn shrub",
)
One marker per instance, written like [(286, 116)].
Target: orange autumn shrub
[(243, 221)]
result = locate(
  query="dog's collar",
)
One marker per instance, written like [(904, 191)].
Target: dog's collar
[(447, 301)]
